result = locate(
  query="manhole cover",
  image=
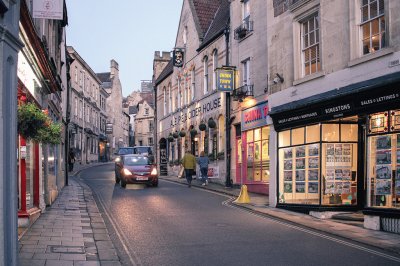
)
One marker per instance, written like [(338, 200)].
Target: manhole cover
[(67, 250)]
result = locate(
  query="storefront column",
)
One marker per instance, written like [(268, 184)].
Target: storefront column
[(22, 168), (36, 175), (273, 180)]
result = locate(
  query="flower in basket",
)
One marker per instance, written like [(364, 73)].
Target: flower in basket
[(182, 134), (50, 134), (175, 134), (30, 120), (211, 123), (202, 126), (170, 137), (193, 132)]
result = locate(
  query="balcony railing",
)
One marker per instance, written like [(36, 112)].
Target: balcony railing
[(242, 92), (244, 29)]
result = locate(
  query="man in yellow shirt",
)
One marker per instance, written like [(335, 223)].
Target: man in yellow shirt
[(189, 164)]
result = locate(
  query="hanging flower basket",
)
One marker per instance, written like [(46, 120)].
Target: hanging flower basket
[(30, 120), (175, 134), (170, 137), (202, 126), (193, 132), (211, 123), (182, 134), (50, 134)]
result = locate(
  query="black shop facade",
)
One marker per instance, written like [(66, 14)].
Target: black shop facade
[(340, 150)]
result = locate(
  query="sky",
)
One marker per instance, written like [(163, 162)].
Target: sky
[(128, 31)]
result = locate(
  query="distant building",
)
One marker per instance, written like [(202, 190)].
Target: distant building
[(117, 125), (144, 125)]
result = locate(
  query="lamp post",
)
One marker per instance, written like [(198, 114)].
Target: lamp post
[(228, 182)]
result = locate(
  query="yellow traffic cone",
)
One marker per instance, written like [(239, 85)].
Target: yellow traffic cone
[(243, 196)]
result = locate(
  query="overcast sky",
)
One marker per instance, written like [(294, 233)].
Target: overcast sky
[(128, 31)]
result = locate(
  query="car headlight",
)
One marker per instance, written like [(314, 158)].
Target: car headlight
[(154, 171), (117, 160), (127, 172)]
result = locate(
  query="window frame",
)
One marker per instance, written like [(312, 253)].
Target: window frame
[(369, 21), (317, 44), (205, 75)]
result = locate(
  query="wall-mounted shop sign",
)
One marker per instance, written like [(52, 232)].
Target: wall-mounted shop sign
[(358, 103), (48, 9), (225, 79), (206, 107), (255, 116), (177, 57), (109, 128)]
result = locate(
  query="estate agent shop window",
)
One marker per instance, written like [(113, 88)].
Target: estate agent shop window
[(316, 160), (384, 160)]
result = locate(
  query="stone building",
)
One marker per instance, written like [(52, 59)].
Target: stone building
[(335, 106), (85, 109), (187, 96), (144, 124), (117, 127), (41, 72)]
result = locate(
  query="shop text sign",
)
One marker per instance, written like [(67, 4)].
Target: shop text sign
[(48, 9), (193, 113), (255, 116), (225, 79)]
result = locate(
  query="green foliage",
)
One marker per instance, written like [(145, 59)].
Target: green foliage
[(34, 124)]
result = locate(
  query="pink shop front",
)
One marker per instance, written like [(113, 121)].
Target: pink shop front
[(252, 149)]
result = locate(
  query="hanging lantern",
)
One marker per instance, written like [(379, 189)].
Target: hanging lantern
[(211, 123)]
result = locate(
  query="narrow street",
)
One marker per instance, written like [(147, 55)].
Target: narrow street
[(177, 225)]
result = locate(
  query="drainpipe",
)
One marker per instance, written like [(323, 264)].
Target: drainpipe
[(228, 182)]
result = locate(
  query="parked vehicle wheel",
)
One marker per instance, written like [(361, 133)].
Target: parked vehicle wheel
[(155, 184)]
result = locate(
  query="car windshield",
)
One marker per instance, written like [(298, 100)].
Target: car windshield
[(136, 160), (142, 150), (124, 151)]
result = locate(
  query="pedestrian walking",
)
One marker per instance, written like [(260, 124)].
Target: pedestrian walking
[(203, 162), (189, 164), (71, 160)]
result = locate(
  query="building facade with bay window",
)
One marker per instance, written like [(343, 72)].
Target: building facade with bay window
[(336, 115)]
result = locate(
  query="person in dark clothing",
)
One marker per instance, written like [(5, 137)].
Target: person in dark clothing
[(71, 160)]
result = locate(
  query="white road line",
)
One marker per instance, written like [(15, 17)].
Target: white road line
[(120, 235), (228, 203)]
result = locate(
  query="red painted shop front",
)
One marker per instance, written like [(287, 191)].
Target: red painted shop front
[(252, 156)]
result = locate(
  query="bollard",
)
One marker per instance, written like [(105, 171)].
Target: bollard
[(243, 196)]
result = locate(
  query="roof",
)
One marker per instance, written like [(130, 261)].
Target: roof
[(104, 77), (133, 110), (168, 69), (205, 11), (218, 24)]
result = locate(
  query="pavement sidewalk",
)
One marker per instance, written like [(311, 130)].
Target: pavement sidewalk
[(70, 232), (260, 204)]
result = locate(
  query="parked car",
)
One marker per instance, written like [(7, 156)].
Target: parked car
[(136, 169)]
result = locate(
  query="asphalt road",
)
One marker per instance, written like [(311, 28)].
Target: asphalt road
[(176, 225)]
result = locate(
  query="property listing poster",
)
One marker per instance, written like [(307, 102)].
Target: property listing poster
[(383, 168), (338, 168)]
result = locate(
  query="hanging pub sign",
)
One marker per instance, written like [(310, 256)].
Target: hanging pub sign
[(109, 128), (177, 57), (225, 79)]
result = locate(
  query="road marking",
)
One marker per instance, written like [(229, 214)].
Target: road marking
[(228, 203), (120, 235)]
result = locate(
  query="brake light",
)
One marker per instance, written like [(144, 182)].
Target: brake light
[(154, 171), (127, 172)]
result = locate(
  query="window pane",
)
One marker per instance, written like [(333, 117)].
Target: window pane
[(381, 7), (366, 30), (265, 133), (330, 132), (375, 42), (257, 134), (305, 41), (305, 28), (250, 136), (307, 69), (298, 136), (307, 55), (284, 138), (257, 151), (365, 2), (349, 132), (312, 133), (375, 26), (373, 10), (317, 36), (364, 14), (366, 46), (311, 25)]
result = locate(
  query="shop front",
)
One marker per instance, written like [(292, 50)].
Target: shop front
[(253, 153), (341, 150)]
